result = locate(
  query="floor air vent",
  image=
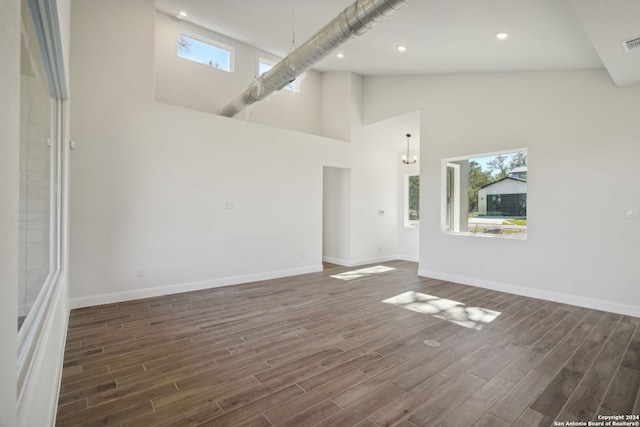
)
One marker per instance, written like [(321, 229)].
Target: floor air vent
[(631, 44)]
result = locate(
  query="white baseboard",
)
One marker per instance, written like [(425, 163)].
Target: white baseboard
[(610, 306), (358, 262), (336, 261), (187, 287), (408, 258)]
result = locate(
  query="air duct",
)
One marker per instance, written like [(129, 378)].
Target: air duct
[(355, 20)]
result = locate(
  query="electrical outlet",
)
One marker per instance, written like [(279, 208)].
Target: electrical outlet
[(380, 212), (140, 271), (228, 205)]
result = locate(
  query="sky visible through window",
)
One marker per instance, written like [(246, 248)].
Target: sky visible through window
[(263, 67), (510, 158), (204, 53), (483, 161)]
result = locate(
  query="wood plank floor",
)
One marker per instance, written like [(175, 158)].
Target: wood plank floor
[(315, 350)]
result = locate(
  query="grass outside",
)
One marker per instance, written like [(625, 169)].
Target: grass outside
[(515, 222), (496, 225)]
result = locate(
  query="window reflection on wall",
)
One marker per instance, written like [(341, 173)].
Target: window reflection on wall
[(36, 130)]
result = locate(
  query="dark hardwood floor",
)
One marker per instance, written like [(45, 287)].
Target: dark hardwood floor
[(315, 350)]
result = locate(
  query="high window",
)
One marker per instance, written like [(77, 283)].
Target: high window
[(486, 194), (205, 52), (265, 65)]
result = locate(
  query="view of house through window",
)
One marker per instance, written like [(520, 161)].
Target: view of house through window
[(486, 194), (208, 53), (412, 200)]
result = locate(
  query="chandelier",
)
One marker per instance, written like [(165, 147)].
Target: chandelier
[(405, 159)]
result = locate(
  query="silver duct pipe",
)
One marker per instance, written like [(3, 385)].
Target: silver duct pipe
[(355, 20)]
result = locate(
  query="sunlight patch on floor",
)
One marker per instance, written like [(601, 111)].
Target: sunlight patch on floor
[(350, 275), (442, 308)]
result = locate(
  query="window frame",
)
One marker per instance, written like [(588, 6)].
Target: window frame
[(451, 198), (212, 43), (452, 219), (46, 25)]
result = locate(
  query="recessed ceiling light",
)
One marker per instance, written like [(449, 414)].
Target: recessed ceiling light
[(502, 36), (340, 55), (181, 14), (402, 48)]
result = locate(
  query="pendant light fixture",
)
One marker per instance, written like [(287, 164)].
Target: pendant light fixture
[(405, 159)]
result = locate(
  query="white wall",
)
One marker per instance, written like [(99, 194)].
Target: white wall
[(150, 181), (374, 238), (582, 139), (336, 213), (9, 178), (390, 134), (185, 83), (337, 103), (163, 209)]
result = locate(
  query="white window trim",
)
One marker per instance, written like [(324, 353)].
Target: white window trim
[(215, 43), (456, 199), (37, 323), (443, 199)]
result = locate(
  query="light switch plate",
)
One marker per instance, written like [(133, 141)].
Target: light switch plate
[(633, 214)]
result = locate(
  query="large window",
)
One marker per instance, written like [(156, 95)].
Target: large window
[(39, 172), (205, 52), (42, 94), (486, 194), (412, 201)]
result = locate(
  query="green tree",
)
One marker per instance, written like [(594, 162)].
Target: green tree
[(499, 167), (477, 179), (518, 160), (414, 198)]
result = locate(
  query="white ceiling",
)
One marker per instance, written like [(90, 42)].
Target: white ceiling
[(608, 24), (441, 36)]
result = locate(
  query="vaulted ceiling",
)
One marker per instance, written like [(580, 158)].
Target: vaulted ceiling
[(442, 36)]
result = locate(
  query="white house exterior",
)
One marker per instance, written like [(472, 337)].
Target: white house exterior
[(504, 193)]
